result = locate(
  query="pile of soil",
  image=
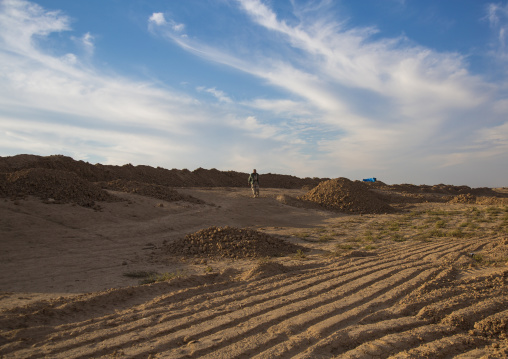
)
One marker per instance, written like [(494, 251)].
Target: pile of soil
[(463, 198), (482, 200), (53, 185), (150, 190), (405, 197), (171, 178), (345, 195), (442, 189), (230, 242)]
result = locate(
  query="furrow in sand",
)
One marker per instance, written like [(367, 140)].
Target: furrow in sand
[(148, 318), (431, 252), (466, 318), (447, 347), (316, 334), (160, 305), (175, 331), (451, 247), (152, 318), (494, 325), (388, 345), (108, 328), (465, 247), (261, 333), (353, 336), (486, 317), (92, 327)]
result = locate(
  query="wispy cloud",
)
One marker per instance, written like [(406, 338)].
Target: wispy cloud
[(58, 104), (497, 15), (414, 93), (157, 19), (348, 99), (220, 95)]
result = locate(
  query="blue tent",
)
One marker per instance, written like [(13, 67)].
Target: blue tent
[(373, 179)]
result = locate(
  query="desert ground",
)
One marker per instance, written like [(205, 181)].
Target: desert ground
[(425, 279)]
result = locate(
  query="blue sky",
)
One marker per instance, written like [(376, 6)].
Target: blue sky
[(407, 91)]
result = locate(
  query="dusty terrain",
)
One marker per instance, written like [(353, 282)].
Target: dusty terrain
[(426, 277)]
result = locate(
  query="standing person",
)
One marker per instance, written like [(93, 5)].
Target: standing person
[(254, 183)]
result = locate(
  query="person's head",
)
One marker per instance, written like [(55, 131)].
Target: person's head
[(254, 170)]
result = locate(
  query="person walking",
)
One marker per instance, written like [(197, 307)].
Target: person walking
[(254, 183)]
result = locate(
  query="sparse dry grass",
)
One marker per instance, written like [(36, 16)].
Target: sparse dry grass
[(369, 232)]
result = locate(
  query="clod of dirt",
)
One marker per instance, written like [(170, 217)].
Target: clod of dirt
[(230, 242), (53, 186), (150, 190), (345, 195), (495, 325)]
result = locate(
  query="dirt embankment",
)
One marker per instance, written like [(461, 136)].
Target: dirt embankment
[(147, 174), (55, 186), (337, 194)]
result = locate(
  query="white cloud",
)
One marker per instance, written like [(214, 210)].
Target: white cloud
[(115, 147), (88, 43), (157, 18), (220, 95)]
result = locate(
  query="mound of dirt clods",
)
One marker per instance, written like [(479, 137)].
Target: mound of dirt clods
[(345, 195), (230, 242), (150, 190), (463, 198), (53, 185)]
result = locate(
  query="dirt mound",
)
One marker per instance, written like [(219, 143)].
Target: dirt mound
[(492, 201), (469, 198), (54, 185), (439, 189), (463, 198), (264, 270), (150, 190), (345, 195), (230, 242), (154, 175)]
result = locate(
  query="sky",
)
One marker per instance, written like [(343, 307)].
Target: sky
[(407, 91)]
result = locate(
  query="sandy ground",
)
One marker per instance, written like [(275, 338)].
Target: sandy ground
[(429, 282)]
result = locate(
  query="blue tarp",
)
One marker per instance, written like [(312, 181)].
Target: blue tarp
[(373, 179)]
